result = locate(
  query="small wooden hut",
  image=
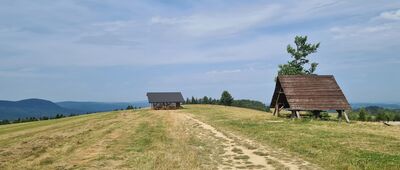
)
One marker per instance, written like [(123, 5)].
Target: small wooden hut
[(165, 100), (314, 93)]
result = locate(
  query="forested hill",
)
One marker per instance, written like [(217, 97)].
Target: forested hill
[(30, 108), (38, 108), (100, 106)]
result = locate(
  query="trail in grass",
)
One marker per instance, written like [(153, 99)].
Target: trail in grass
[(240, 153)]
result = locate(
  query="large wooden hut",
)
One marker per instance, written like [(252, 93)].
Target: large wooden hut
[(165, 100), (314, 93)]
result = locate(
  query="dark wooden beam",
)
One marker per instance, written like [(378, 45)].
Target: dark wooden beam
[(340, 115)]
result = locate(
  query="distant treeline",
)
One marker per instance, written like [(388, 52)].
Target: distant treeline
[(58, 116), (227, 99), (375, 113), (32, 119)]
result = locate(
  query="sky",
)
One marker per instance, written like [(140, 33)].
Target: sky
[(117, 50)]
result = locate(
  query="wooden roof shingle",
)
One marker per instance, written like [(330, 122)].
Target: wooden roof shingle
[(165, 97), (309, 92)]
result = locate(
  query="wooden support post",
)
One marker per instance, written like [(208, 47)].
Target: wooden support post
[(340, 115), (277, 104), (298, 114), (346, 117), (277, 113), (293, 115), (317, 114)]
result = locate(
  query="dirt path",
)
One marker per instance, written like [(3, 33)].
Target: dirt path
[(240, 153)]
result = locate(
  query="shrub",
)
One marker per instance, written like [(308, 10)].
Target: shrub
[(353, 115), (325, 116), (362, 115)]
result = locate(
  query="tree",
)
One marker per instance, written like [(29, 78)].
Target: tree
[(3, 122), (397, 117), (193, 100), (205, 100), (362, 115), (299, 55), (210, 100), (226, 98), (380, 117), (386, 116), (187, 101)]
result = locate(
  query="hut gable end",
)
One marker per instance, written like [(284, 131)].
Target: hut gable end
[(310, 92)]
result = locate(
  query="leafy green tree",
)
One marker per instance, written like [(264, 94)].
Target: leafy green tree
[(380, 117), (389, 116), (397, 117), (226, 98), (353, 116), (299, 55), (386, 116), (362, 116)]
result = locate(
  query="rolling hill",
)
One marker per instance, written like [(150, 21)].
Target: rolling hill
[(11, 110), (383, 105), (197, 137), (99, 106), (30, 108)]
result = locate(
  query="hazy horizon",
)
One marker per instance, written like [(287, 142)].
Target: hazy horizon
[(116, 51)]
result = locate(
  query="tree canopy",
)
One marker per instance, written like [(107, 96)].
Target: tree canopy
[(299, 55), (226, 98)]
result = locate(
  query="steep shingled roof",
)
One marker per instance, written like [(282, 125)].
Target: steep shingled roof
[(309, 92), (167, 97)]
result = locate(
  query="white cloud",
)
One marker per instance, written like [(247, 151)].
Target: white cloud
[(360, 30), (220, 23), (224, 71), (168, 21), (152, 36), (391, 15)]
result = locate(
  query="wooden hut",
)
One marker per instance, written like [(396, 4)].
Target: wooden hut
[(314, 93), (165, 100)]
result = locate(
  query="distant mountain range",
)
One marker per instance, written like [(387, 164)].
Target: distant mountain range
[(12, 110), (383, 105), (99, 106)]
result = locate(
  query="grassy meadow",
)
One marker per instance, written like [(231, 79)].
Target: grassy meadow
[(329, 144), (148, 139), (141, 139)]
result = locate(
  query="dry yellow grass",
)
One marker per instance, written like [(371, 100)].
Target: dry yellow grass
[(142, 139), (184, 139)]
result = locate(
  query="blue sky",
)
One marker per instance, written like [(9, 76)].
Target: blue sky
[(117, 50)]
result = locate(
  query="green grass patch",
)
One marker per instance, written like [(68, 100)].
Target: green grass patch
[(147, 134), (330, 144)]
